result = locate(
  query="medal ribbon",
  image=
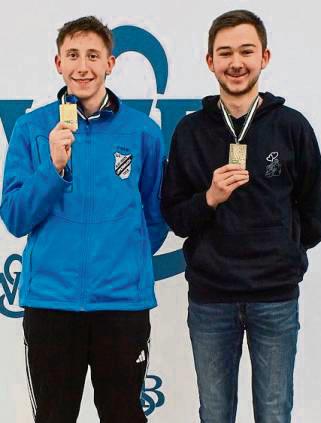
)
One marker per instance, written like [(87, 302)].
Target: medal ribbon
[(247, 123)]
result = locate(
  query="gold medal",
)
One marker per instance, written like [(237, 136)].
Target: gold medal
[(238, 154), (68, 114)]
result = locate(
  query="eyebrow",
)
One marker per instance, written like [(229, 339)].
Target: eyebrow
[(75, 50), (230, 48)]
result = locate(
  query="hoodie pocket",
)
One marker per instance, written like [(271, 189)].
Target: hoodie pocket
[(256, 259)]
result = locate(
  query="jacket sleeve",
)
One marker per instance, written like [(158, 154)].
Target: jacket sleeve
[(29, 193), (308, 187), (184, 207), (150, 186)]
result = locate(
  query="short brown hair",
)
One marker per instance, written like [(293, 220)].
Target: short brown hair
[(234, 18), (86, 24)]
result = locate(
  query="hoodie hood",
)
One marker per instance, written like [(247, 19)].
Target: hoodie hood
[(210, 105)]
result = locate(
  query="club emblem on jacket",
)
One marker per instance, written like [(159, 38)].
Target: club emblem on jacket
[(123, 165), (274, 168)]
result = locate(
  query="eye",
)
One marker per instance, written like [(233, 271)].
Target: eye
[(93, 56), (72, 55), (247, 52), (225, 54)]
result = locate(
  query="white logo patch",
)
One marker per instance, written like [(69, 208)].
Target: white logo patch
[(141, 357), (274, 168), (123, 165)]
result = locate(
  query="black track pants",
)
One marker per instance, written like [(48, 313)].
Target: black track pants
[(59, 347)]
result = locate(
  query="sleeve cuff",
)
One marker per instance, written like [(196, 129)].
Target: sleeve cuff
[(201, 207)]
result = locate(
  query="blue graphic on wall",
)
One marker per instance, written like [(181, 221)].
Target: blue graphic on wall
[(127, 39), (132, 38), (9, 280), (152, 397)]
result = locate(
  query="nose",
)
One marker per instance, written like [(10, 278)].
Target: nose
[(82, 65), (236, 63)]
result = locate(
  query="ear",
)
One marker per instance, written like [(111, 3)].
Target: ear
[(210, 62), (111, 60), (265, 58), (58, 63)]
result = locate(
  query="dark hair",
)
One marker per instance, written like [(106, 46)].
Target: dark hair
[(86, 24), (234, 18)]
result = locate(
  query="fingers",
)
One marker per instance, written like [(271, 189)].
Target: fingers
[(228, 170), (235, 178), (229, 175), (61, 136), (233, 186), (63, 125), (225, 180), (66, 134), (228, 167), (60, 141), (230, 180)]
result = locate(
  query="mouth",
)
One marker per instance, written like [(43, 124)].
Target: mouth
[(82, 81), (236, 75)]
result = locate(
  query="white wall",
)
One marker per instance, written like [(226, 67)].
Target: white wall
[(27, 34)]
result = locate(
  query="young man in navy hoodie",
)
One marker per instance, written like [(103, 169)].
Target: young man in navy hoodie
[(243, 186), (84, 185)]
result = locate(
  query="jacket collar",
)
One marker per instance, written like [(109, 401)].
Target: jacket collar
[(109, 106)]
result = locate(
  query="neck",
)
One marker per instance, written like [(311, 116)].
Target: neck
[(92, 104), (238, 105), (89, 108)]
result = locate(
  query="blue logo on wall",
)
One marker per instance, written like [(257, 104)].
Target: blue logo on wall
[(127, 39), (152, 397), (9, 280)]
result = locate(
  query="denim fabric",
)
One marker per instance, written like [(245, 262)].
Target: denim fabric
[(217, 331)]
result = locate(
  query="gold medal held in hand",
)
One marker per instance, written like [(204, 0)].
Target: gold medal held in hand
[(238, 154), (68, 114)]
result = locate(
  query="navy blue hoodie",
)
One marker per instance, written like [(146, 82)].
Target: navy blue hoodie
[(253, 246)]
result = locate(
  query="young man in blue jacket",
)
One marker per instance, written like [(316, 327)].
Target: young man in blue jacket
[(243, 185), (83, 183)]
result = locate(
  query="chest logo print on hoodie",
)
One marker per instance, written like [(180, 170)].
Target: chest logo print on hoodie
[(274, 168), (123, 165)]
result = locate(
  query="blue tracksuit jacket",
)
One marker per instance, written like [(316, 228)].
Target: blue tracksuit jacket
[(91, 234)]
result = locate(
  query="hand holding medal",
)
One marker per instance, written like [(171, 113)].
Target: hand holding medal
[(60, 141), (225, 180), (61, 137)]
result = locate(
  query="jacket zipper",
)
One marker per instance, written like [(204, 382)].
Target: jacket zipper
[(86, 223)]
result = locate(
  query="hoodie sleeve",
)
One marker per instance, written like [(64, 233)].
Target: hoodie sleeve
[(308, 187), (184, 209), (29, 193), (150, 186)]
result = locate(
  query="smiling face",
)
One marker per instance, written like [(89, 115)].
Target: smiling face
[(84, 62), (238, 59)]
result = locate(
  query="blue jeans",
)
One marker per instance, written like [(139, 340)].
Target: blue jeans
[(217, 331)]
